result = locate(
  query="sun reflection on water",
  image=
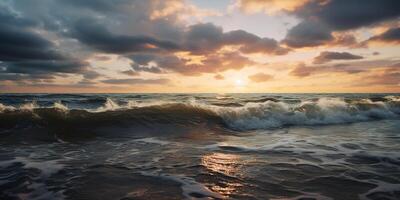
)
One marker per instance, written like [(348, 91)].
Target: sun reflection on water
[(227, 164)]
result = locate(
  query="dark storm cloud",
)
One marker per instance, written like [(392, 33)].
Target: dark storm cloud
[(327, 56), (46, 66), (97, 36), (391, 36), (314, 33), (203, 38), (26, 79), (26, 54), (308, 34), (349, 14), (134, 81), (80, 29), (321, 18), (98, 5), (19, 42), (207, 38)]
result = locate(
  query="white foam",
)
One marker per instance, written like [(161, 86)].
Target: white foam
[(6, 108), (29, 106), (109, 105), (271, 114), (47, 168), (60, 106)]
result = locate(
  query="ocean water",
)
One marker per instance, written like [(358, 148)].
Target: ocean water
[(200, 146)]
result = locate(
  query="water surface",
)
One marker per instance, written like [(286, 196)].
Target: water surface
[(199, 146)]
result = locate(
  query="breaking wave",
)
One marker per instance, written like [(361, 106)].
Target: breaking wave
[(249, 116)]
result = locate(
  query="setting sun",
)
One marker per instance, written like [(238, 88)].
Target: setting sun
[(239, 83)]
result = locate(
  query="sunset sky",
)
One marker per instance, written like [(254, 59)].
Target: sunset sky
[(199, 46)]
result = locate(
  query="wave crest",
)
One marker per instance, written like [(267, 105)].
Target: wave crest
[(251, 115), (271, 114)]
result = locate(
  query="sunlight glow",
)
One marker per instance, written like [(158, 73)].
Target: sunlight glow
[(239, 83)]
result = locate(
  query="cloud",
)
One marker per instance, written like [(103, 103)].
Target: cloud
[(19, 42), (208, 38), (260, 77), (150, 69), (354, 67), (136, 81), (46, 66), (301, 70), (97, 36), (253, 44), (321, 18), (90, 74), (392, 35), (59, 37), (130, 73), (327, 56), (308, 34), (342, 39), (27, 55), (41, 43), (219, 77), (156, 63), (314, 33), (99, 5), (102, 58), (165, 9), (267, 6), (350, 14), (387, 76), (23, 78)]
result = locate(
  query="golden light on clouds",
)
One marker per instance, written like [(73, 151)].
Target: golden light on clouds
[(202, 46), (268, 6)]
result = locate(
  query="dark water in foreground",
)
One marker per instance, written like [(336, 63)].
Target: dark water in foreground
[(200, 146)]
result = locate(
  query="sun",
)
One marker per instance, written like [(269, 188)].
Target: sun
[(239, 83)]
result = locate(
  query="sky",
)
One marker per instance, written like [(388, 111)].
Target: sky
[(211, 46)]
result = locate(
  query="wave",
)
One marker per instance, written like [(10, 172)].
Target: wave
[(60, 119), (249, 116), (324, 111)]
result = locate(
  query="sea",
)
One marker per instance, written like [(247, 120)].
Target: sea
[(200, 146)]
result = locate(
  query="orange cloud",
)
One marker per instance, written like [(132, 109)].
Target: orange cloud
[(260, 77), (219, 77), (178, 9), (327, 56), (268, 6)]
